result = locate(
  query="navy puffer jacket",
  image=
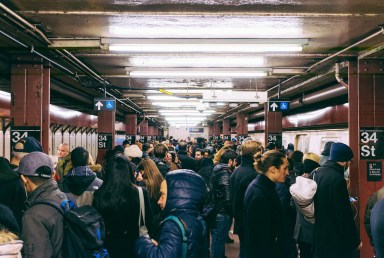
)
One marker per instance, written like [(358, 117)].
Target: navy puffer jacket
[(185, 196)]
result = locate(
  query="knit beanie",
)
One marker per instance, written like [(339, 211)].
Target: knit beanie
[(340, 152), (7, 220), (327, 148), (310, 165)]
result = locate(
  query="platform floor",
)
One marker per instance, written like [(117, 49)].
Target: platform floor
[(232, 250)]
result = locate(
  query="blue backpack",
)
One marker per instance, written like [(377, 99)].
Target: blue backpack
[(183, 233), (84, 230)]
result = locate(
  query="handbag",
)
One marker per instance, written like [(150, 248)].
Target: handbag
[(142, 228)]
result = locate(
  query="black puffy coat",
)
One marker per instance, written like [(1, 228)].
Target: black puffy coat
[(185, 195), (241, 177), (221, 193), (335, 231), (186, 161)]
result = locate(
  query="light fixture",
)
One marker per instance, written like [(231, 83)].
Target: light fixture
[(234, 96), (204, 45), (196, 73), (175, 104), (169, 114), (183, 111), (163, 98), (233, 105), (254, 105), (185, 118)]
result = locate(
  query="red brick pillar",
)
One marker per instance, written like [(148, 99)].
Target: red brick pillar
[(366, 125), (106, 133), (241, 126), (273, 126), (30, 86), (226, 130)]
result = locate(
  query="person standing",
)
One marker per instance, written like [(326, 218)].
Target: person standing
[(43, 226), (263, 214), (241, 177), (335, 234), (377, 228), (222, 202), (64, 162)]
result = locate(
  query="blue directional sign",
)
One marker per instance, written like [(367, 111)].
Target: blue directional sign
[(107, 104), (278, 105)]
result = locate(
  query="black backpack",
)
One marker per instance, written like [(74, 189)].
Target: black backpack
[(84, 230)]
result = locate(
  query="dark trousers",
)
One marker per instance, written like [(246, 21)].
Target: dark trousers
[(305, 250)]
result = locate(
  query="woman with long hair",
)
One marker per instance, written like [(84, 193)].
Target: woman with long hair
[(118, 202), (263, 220)]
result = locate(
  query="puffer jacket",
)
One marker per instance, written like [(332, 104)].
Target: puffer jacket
[(43, 229), (80, 183), (185, 195), (220, 183)]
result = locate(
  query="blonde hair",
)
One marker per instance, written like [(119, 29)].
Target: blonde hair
[(6, 236), (217, 157), (312, 156)]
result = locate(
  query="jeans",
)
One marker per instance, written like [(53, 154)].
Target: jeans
[(219, 233)]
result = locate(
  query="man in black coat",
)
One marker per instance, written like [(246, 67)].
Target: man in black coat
[(187, 162), (239, 181), (335, 235)]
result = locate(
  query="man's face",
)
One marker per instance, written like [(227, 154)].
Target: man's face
[(232, 164), (198, 155), (62, 151), (163, 195)]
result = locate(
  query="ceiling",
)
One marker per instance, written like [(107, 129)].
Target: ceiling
[(77, 38)]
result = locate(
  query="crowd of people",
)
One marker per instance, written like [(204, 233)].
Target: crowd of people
[(208, 187)]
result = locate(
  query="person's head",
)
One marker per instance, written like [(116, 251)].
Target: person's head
[(309, 165), (79, 157), (183, 146), (207, 153), (341, 153), (7, 220), (63, 150), (160, 151), (291, 147), (119, 148), (311, 156), (126, 143), (327, 148), (229, 157), (198, 154), (133, 151), (23, 147), (270, 146), (250, 148), (146, 147), (35, 169), (273, 164), (163, 195), (217, 157), (177, 198), (297, 156), (152, 176)]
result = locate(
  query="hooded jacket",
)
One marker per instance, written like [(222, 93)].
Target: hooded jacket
[(80, 182), (185, 195), (43, 226)]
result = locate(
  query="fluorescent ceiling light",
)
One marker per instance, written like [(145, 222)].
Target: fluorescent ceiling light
[(186, 114), (175, 104), (183, 124), (168, 98), (193, 73), (224, 45), (185, 118), (182, 111), (194, 86), (196, 61)]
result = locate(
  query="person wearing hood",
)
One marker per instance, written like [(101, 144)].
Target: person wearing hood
[(187, 162), (335, 234), (80, 182), (181, 195), (222, 202), (325, 153)]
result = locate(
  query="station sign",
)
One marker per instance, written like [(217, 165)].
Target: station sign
[(275, 138), (19, 132), (196, 130), (226, 137), (131, 139), (143, 138), (104, 104), (241, 137), (104, 141), (216, 137), (374, 171), (278, 105), (371, 143)]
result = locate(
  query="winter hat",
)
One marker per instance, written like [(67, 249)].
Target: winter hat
[(340, 152), (327, 148), (310, 165), (133, 151), (7, 220), (34, 163)]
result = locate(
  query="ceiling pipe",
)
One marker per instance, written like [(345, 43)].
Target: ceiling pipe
[(337, 76)]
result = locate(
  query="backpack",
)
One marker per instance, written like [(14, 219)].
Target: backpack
[(84, 231), (183, 233)]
